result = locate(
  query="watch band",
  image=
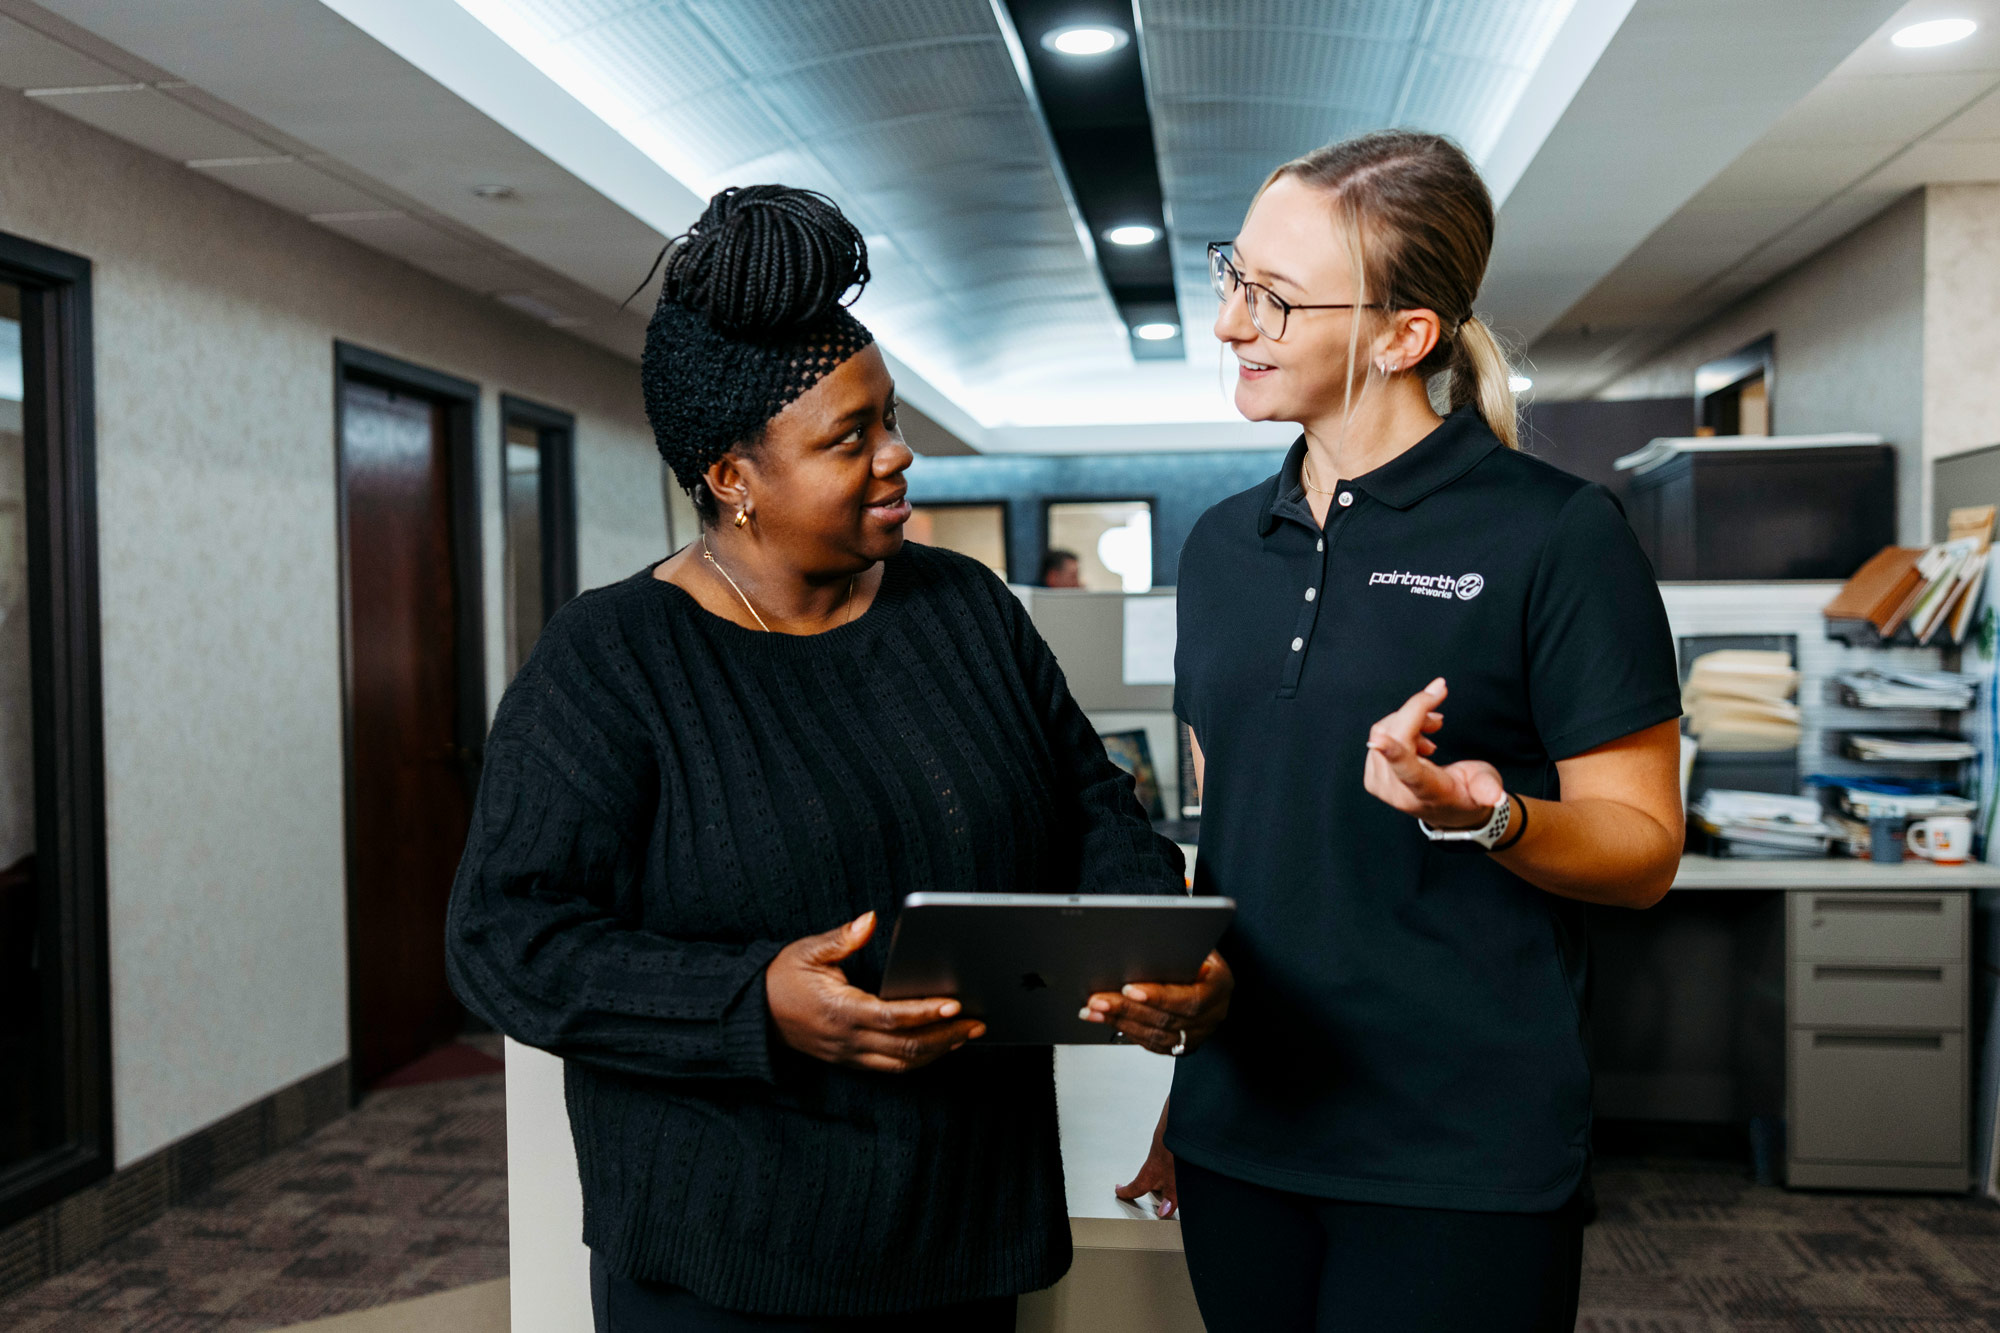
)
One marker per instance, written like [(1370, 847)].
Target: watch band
[(1479, 839)]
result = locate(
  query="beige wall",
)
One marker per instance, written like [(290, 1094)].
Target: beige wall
[(1851, 343), (1961, 318), (215, 322)]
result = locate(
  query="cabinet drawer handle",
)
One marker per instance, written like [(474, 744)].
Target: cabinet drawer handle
[(1895, 1041), (1855, 972), (1926, 906)]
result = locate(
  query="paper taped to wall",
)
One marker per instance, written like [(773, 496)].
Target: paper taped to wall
[(1149, 640)]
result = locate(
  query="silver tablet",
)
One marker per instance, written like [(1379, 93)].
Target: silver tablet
[(1025, 963)]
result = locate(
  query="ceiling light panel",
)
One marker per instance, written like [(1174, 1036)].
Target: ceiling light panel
[(908, 112)]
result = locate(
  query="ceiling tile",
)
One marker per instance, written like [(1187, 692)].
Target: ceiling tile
[(30, 60), (654, 56), (560, 18), (1846, 108), (158, 123), (1933, 163), (1981, 51), (1981, 120), (721, 129), (872, 157), (765, 36), (867, 87), (1380, 20), (1324, 69), (1455, 96), (1284, 129), (297, 187), (1502, 32), (1800, 171), (418, 243)]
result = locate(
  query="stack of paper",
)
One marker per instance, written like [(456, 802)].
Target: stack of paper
[(1947, 690), (1763, 824), (1738, 699), (1933, 590), (1865, 805), (1909, 748)]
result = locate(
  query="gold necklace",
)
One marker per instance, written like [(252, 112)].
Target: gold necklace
[(1305, 477), (708, 555)]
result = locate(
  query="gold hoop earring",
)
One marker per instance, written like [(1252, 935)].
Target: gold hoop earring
[(742, 517)]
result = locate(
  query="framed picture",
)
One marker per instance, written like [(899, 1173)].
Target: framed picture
[(1129, 750)]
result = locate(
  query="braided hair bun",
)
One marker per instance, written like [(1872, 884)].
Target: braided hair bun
[(752, 313), (767, 259)]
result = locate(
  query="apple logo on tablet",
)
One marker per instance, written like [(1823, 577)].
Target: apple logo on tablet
[(1033, 981)]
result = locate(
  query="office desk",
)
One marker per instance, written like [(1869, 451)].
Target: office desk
[(1831, 874), (1831, 996)]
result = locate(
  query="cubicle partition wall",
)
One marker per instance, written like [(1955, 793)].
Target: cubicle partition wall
[(1973, 478), (1117, 652)]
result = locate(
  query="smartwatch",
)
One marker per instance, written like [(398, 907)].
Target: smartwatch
[(1479, 839)]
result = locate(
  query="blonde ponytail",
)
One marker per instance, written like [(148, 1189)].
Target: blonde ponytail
[(1428, 221), (1480, 374)]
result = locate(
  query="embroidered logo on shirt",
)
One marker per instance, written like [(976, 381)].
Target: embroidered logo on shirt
[(1465, 587)]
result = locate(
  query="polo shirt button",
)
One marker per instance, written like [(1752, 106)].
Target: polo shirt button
[(1311, 593), (1298, 644), (1346, 499), (1322, 544)]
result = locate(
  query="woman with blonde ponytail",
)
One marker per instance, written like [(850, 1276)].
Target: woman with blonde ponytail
[(1392, 1131)]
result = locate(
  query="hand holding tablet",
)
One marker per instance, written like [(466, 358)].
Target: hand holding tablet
[(1168, 1019), (818, 1012), (1067, 969)]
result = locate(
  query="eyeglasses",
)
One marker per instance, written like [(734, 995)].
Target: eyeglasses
[(1269, 311)]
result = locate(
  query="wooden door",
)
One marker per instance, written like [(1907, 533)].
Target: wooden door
[(409, 787)]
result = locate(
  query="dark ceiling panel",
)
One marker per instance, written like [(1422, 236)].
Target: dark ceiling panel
[(1096, 111)]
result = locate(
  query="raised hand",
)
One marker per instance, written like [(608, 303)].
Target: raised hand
[(1399, 772)]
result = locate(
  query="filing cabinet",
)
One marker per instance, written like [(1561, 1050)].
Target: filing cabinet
[(1878, 1001)]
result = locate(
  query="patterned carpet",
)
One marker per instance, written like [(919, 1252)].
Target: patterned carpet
[(1695, 1247), (407, 1196)]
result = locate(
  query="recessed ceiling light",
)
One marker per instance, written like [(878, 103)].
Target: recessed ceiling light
[(1937, 32), (1136, 233), (1156, 333), (1520, 383), (1090, 40)]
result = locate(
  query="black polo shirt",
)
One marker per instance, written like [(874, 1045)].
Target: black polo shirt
[(1408, 1024)]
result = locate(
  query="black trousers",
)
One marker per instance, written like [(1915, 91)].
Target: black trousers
[(1265, 1261), (627, 1305)]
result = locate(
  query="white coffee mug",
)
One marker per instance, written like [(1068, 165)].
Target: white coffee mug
[(1945, 839)]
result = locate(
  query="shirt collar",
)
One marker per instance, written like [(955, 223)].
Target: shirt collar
[(1437, 460)]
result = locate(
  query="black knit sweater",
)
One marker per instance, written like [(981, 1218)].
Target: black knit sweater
[(668, 800)]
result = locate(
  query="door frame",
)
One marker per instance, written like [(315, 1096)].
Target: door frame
[(555, 436), (67, 675), (460, 401)]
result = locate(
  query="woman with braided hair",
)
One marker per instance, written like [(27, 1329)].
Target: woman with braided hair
[(712, 780)]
